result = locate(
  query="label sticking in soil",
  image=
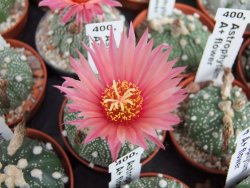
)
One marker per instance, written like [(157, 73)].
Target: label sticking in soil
[(223, 45), (240, 162), (160, 8), (126, 169), (3, 43), (101, 31), (5, 131)]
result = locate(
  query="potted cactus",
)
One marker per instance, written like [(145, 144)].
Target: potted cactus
[(23, 79), (59, 33), (187, 30), (151, 179), (108, 115), (213, 116), (31, 159), (209, 7), (13, 17), (243, 65), (96, 154)]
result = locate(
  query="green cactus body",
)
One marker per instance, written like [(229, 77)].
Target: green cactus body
[(157, 182), (5, 7), (204, 119), (96, 152), (37, 163), (244, 183), (15, 70), (188, 46), (245, 59), (213, 5), (67, 38)]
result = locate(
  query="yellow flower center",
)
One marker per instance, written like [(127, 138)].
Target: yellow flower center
[(122, 101)]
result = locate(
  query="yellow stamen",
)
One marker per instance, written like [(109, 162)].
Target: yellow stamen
[(122, 101)]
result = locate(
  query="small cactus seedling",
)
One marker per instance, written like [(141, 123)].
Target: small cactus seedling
[(29, 163), (5, 7), (97, 152), (185, 33), (15, 79), (157, 181), (215, 115)]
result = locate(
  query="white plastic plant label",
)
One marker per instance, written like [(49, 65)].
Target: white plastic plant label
[(3, 43), (223, 44), (240, 162), (126, 169), (5, 131), (160, 8), (98, 31)]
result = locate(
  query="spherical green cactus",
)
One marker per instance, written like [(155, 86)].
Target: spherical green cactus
[(96, 152), (5, 7), (244, 183), (33, 165), (15, 78), (213, 5), (207, 115), (185, 33), (157, 181), (67, 38)]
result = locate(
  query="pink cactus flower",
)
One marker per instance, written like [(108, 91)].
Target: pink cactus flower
[(84, 10), (132, 97)]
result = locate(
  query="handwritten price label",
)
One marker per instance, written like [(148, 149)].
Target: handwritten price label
[(160, 8), (126, 169), (5, 132), (223, 45), (240, 162), (101, 31)]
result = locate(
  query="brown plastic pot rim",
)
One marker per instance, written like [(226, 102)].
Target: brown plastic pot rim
[(87, 163), (179, 148), (239, 69), (18, 44), (185, 8), (155, 174), (36, 134), (15, 30), (205, 11)]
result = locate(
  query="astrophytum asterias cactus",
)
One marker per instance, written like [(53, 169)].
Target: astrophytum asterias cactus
[(215, 115), (5, 7), (15, 79)]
